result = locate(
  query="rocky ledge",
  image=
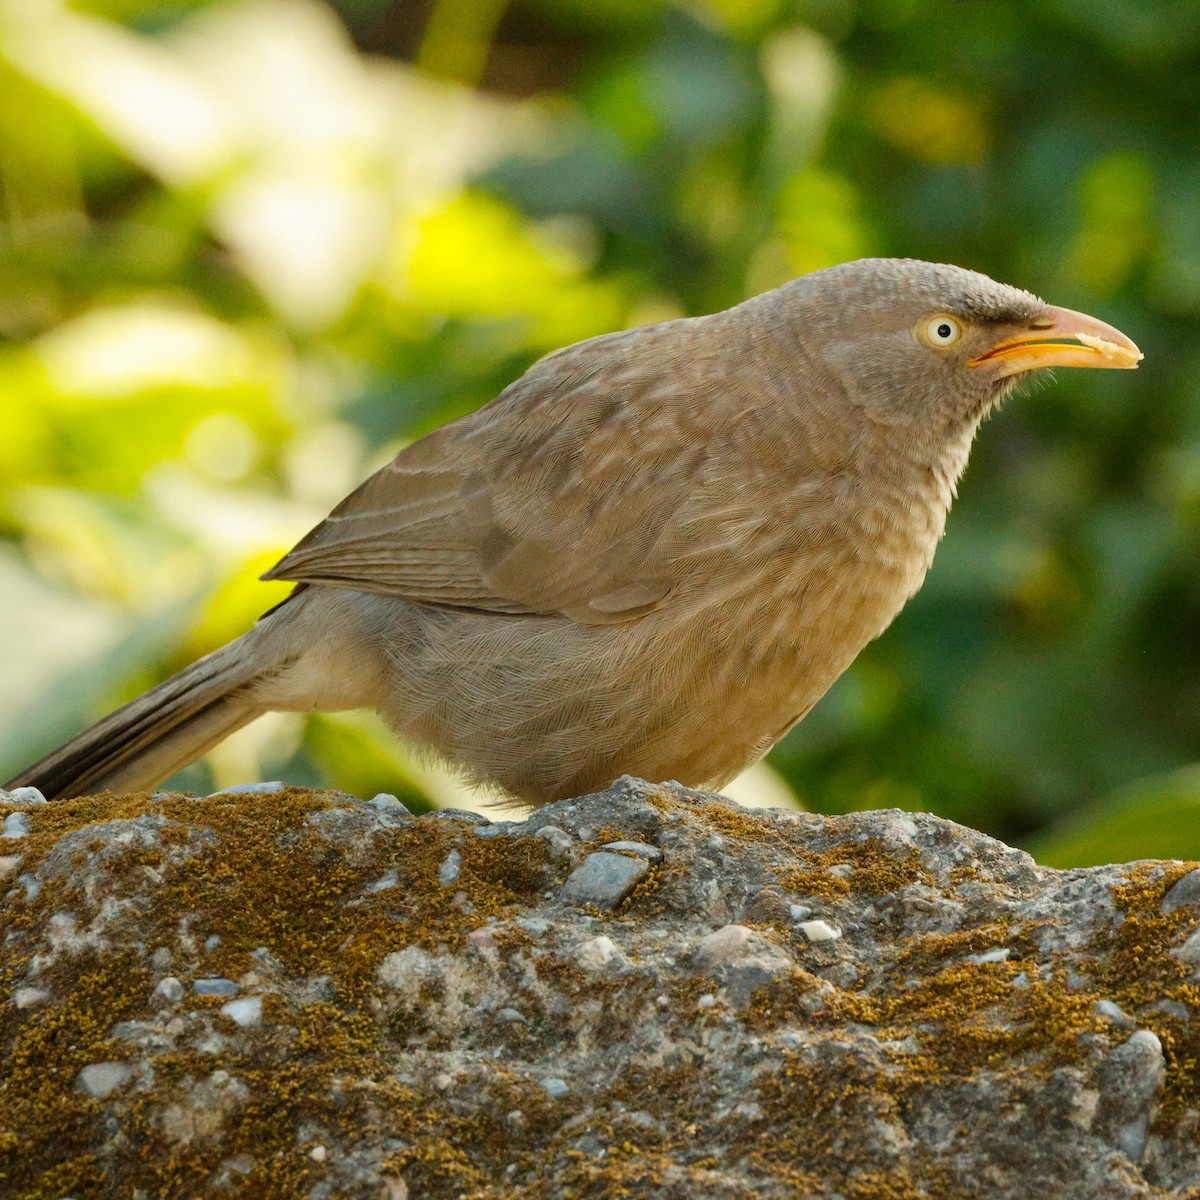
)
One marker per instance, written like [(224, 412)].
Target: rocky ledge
[(645, 992)]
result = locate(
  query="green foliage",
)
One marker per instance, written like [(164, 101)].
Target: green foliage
[(248, 247)]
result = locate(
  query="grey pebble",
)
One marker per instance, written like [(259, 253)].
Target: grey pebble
[(30, 997), (1110, 1010), (1130, 1081), (1184, 894), (1189, 952), (99, 1079), (212, 942), (385, 802), (170, 989), (603, 879), (450, 868), (559, 840), (555, 1088), (252, 789), (16, 825), (800, 912), (215, 987)]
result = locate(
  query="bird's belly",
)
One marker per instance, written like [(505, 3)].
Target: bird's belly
[(548, 708)]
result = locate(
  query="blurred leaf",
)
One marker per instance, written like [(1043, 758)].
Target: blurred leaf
[(1159, 818)]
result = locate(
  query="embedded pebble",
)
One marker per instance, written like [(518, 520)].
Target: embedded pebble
[(819, 931), (708, 1000), (799, 912), (252, 789), (1130, 1081), (388, 879), (1110, 1010), (215, 987), (101, 1078), (559, 840), (448, 871), (30, 997), (1189, 952), (385, 802), (317, 1154), (8, 864), (603, 879), (599, 952), (1184, 893), (247, 1011), (17, 825), (22, 795), (212, 942), (999, 955), (555, 1088), (170, 989)]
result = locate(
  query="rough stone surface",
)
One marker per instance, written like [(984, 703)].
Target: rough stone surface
[(983, 1029)]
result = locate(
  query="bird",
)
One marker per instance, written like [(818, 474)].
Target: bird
[(651, 554)]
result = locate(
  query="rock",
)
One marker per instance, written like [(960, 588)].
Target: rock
[(1185, 893), (599, 953), (819, 931), (1189, 952), (559, 841), (215, 987), (9, 864), (253, 789), (448, 871), (983, 1027), (385, 802), (16, 825), (170, 989), (1130, 1082), (603, 879), (742, 960), (247, 1012), (22, 795), (98, 1079)]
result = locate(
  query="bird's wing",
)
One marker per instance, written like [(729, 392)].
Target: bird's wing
[(571, 493)]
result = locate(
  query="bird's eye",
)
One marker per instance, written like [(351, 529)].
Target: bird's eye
[(942, 330)]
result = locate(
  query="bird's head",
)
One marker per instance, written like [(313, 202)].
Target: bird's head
[(924, 344)]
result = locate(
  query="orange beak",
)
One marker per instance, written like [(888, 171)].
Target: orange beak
[(1062, 338)]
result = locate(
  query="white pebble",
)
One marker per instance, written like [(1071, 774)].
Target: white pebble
[(16, 825), (22, 795), (30, 997), (247, 1012), (819, 931), (708, 1000), (317, 1154)]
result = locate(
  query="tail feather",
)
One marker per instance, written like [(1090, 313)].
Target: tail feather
[(149, 738)]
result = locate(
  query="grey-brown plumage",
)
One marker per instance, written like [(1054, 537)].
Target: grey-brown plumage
[(652, 553)]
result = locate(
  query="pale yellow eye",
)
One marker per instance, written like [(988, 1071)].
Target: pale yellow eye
[(942, 330)]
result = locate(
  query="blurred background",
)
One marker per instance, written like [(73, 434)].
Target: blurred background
[(249, 248)]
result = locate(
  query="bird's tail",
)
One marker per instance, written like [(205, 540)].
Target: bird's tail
[(153, 736)]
